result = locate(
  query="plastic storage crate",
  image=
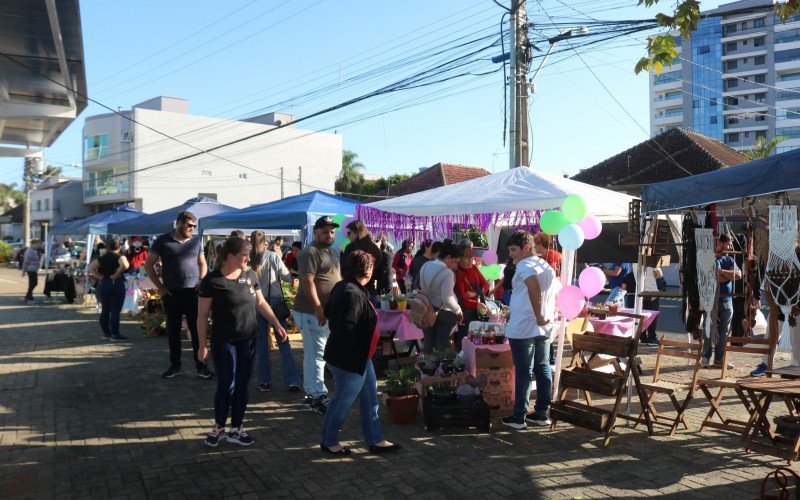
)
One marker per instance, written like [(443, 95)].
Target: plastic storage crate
[(455, 415)]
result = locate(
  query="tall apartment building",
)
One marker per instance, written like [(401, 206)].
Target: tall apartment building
[(737, 78), (127, 160)]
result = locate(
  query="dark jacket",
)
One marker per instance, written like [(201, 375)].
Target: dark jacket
[(366, 244), (384, 274), (352, 323)]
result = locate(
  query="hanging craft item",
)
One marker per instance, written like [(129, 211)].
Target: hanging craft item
[(707, 284), (688, 270), (783, 266)]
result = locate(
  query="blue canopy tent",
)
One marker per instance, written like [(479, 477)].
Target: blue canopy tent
[(770, 175), (295, 212), (163, 221)]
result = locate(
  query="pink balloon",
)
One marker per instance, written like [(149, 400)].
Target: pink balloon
[(570, 301), (489, 257), (591, 281), (592, 227)]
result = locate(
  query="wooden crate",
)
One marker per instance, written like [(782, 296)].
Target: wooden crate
[(608, 384), (580, 414), (602, 344)]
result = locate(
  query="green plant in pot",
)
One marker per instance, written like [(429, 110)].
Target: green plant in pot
[(460, 364), (448, 361), (467, 394), (431, 364), (402, 398), (442, 393)]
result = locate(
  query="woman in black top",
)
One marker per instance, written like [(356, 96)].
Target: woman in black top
[(231, 293), (108, 269), (348, 353), (360, 239)]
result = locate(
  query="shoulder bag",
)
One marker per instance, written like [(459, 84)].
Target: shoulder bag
[(280, 309)]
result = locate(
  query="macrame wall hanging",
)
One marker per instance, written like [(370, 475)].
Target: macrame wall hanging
[(783, 266), (707, 284)]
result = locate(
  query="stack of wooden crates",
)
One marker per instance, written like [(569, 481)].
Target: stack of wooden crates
[(498, 368)]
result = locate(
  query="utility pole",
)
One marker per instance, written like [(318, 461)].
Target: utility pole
[(300, 178), (34, 165), (518, 85), (281, 182)]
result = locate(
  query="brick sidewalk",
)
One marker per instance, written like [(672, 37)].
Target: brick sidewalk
[(81, 417)]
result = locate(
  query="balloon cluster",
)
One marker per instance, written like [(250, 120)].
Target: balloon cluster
[(341, 241), (490, 269), (573, 225)]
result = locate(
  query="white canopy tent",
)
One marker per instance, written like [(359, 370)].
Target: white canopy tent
[(507, 198)]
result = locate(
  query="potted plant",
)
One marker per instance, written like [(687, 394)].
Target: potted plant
[(402, 301), (442, 393), (386, 299), (460, 364), (431, 364), (467, 394), (448, 359), (402, 398)]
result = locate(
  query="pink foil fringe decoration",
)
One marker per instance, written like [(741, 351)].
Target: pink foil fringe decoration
[(418, 228)]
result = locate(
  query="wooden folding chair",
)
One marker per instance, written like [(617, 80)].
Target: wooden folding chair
[(732, 344), (673, 349)]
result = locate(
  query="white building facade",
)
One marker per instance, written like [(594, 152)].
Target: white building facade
[(130, 161), (55, 201)]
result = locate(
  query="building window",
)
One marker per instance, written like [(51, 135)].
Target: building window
[(712, 101), (759, 42), (758, 23), (789, 76), (96, 147), (744, 25), (38, 205), (761, 117), (732, 101), (760, 97), (788, 113), (759, 60), (206, 173), (91, 186), (790, 132), (670, 76), (705, 49), (243, 176), (729, 29), (732, 137), (787, 94), (678, 41), (47, 203), (729, 47), (787, 55), (731, 83), (126, 137), (733, 121), (787, 36), (713, 120), (746, 135), (731, 65), (760, 78)]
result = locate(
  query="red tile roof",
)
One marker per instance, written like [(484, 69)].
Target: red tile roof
[(441, 174)]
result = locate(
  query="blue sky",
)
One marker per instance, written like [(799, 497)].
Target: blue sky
[(237, 57)]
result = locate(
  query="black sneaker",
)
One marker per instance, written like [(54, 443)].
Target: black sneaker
[(264, 387), (213, 437), (294, 388), (240, 437), (204, 373), (515, 423), (307, 400), (171, 372), (539, 420), (106, 337), (118, 338), (319, 405)]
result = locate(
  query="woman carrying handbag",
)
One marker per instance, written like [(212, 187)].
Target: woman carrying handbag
[(271, 270)]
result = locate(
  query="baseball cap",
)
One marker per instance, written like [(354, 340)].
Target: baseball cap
[(325, 220)]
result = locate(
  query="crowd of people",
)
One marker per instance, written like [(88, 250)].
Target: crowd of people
[(334, 311)]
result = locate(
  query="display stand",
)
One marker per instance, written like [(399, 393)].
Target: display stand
[(586, 348)]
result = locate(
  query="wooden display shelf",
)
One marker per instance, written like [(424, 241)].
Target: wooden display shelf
[(582, 415), (607, 384)]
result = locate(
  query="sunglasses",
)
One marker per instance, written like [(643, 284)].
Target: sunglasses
[(191, 226)]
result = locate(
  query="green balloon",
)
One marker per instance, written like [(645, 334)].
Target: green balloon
[(574, 208), (490, 272), (552, 222), (339, 218)]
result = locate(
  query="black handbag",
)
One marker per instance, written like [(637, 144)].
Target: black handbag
[(281, 309)]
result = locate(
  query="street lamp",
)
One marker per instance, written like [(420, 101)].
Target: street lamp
[(553, 41)]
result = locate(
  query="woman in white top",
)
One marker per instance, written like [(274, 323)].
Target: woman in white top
[(437, 281)]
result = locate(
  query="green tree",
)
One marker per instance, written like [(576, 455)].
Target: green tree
[(350, 179), (762, 147), (10, 196), (661, 49), (50, 171)]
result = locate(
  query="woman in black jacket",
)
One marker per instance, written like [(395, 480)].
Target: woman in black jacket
[(348, 353), (360, 239)]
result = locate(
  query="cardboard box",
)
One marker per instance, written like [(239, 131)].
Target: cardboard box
[(499, 379), (501, 403), (487, 358)]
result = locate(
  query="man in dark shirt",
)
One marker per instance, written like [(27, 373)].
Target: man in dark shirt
[(727, 273), (183, 265)]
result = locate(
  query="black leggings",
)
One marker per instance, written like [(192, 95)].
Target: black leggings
[(33, 280)]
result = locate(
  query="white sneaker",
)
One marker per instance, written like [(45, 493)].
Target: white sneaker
[(705, 362)]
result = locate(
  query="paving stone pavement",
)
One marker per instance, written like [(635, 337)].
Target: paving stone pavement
[(81, 417)]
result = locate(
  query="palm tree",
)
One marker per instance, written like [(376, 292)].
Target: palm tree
[(10, 196), (350, 179), (762, 147)]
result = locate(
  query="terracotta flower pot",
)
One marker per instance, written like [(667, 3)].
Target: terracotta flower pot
[(402, 409)]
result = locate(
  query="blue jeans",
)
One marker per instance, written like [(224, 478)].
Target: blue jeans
[(290, 375), (111, 294), (347, 386), (724, 317), (314, 339), (234, 364), (530, 357)]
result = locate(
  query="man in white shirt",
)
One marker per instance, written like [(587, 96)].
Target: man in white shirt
[(530, 330)]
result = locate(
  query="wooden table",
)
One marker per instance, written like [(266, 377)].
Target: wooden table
[(790, 372), (761, 392), (395, 324)]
